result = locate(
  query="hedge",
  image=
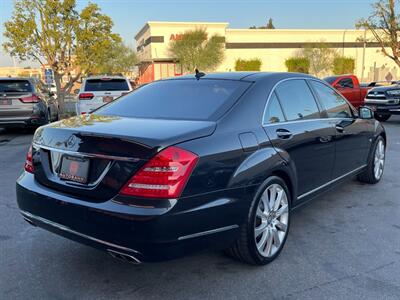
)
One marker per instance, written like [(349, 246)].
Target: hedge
[(298, 64), (343, 65), (248, 64)]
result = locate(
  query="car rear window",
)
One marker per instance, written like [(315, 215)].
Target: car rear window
[(203, 99), (106, 84), (15, 86)]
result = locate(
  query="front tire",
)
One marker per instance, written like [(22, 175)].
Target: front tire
[(376, 163), (382, 117), (264, 233)]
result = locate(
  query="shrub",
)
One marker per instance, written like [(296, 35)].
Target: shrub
[(248, 64), (343, 65), (298, 64)]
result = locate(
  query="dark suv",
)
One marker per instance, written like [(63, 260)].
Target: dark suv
[(26, 102), (384, 101)]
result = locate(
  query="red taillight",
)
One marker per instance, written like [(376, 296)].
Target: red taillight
[(30, 99), (124, 93), (86, 96), (164, 176), (29, 161)]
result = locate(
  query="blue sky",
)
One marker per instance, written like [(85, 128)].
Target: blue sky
[(130, 15)]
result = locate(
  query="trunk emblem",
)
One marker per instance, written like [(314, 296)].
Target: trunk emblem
[(71, 141)]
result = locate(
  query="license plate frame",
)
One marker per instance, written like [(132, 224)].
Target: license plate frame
[(108, 99), (74, 169), (5, 102)]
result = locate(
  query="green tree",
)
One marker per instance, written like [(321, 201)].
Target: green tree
[(120, 59), (320, 56), (196, 50), (298, 64), (384, 24), (270, 25), (343, 65), (54, 33), (248, 64)]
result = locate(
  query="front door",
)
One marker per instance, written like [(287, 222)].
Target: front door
[(352, 139)]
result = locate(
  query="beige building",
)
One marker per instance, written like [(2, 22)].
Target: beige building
[(272, 46)]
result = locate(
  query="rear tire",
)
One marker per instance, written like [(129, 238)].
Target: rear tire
[(376, 163), (382, 117), (264, 233)]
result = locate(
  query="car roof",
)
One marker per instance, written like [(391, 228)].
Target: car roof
[(245, 76)]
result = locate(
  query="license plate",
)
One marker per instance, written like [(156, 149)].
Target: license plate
[(74, 169), (107, 99), (5, 102)]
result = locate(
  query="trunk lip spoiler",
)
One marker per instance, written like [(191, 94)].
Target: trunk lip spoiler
[(88, 155)]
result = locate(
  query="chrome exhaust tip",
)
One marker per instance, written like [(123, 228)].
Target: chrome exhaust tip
[(129, 258)]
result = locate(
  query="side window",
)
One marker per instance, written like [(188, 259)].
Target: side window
[(346, 83), (297, 101), (274, 112), (335, 105)]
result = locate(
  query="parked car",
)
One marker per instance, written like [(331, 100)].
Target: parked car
[(26, 102), (95, 91), (184, 164), (350, 88), (384, 101)]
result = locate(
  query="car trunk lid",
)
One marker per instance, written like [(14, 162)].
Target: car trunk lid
[(103, 152)]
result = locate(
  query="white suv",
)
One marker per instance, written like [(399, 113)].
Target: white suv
[(98, 90)]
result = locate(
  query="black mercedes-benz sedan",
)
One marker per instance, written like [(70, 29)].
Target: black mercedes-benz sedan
[(189, 163)]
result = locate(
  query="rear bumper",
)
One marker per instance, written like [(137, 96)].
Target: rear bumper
[(148, 234), (31, 121)]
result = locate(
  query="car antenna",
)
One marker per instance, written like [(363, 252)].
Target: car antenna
[(199, 74)]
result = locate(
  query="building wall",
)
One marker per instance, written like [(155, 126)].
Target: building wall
[(273, 47)]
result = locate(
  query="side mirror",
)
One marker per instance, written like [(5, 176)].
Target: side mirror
[(365, 113), (76, 91)]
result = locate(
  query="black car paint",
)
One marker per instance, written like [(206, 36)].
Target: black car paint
[(236, 155)]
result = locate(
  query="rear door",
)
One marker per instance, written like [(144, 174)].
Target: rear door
[(293, 123), (352, 134)]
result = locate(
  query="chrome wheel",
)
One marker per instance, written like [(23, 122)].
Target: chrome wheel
[(272, 219), (379, 160)]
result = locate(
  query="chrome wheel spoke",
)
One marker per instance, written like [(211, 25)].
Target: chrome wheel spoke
[(281, 226), (282, 210), (277, 241), (263, 241), (260, 229), (269, 244)]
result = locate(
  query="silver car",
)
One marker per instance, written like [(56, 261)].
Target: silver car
[(26, 102)]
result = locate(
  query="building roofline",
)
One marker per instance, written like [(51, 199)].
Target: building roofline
[(296, 29)]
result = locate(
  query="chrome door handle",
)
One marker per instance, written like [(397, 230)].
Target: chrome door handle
[(339, 128), (284, 134)]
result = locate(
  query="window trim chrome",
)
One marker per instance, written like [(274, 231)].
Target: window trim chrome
[(87, 155)]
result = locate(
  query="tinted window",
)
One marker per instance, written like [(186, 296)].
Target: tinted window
[(274, 112), (335, 105), (178, 99), (346, 83), (330, 79), (15, 86), (297, 100), (95, 85)]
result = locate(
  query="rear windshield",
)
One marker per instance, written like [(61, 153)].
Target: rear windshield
[(330, 79), (95, 85), (178, 99), (15, 86)]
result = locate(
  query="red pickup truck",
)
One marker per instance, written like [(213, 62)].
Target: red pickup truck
[(349, 87)]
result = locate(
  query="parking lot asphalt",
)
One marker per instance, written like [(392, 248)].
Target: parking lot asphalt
[(343, 245)]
